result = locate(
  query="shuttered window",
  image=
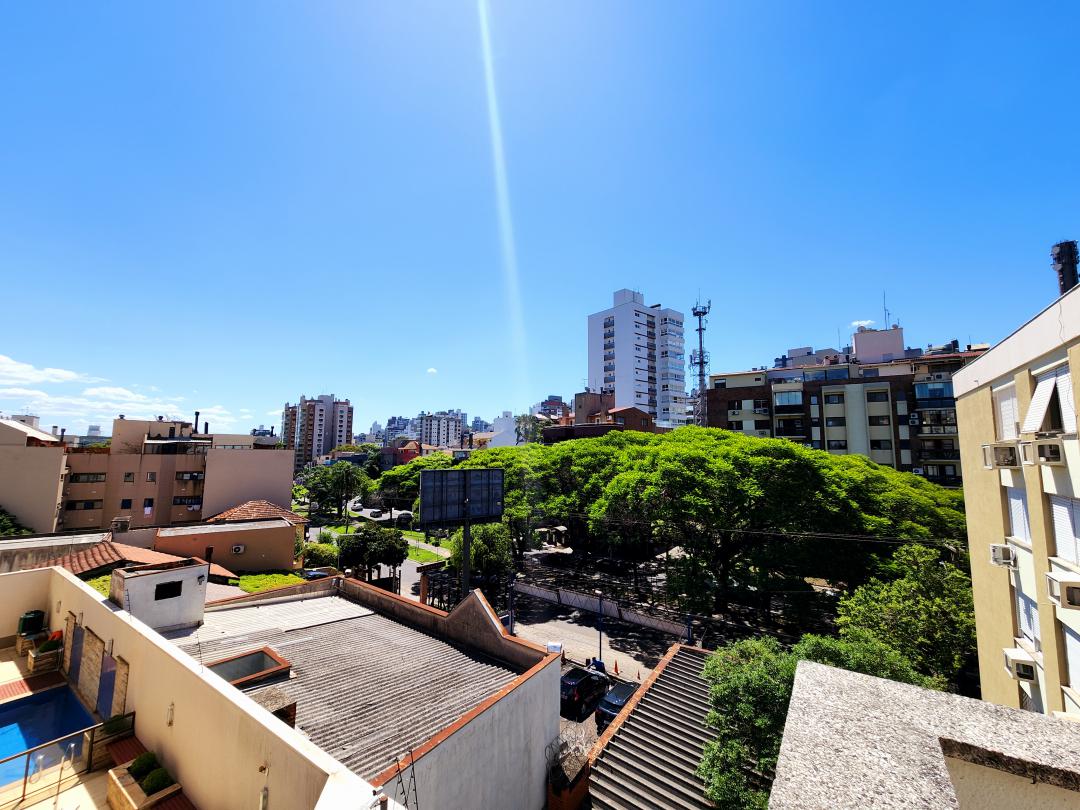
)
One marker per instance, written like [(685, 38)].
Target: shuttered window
[(1066, 516), (1018, 514), (1006, 412), (1027, 614), (1072, 655), (1065, 397), (1040, 400)]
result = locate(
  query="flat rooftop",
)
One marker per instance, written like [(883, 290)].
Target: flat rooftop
[(854, 741), (217, 528), (367, 688)]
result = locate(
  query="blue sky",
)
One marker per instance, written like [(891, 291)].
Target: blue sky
[(223, 206)]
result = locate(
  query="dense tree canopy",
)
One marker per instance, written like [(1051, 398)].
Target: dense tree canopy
[(332, 487), (490, 550), (750, 686), (371, 545), (399, 487), (9, 525)]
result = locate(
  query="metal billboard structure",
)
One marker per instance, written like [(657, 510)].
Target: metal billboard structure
[(460, 498)]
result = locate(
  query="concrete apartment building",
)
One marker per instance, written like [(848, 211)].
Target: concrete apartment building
[(1016, 408), (637, 352), (155, 473), (880, 399), (314, 427), (441, 429)]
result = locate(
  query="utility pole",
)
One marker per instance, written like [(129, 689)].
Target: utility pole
[(699, 359)]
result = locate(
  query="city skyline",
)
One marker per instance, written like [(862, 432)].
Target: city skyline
[(275, 201)]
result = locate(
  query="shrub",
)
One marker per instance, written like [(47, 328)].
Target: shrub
[(115, 724), (319, 554), (142, 765), (49, 646), (435, 541), (157, 779)]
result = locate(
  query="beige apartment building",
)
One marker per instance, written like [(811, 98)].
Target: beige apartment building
[(155, 473), (1016, 408)]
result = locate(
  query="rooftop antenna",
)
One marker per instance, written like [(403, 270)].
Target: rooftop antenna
[(699, 359)]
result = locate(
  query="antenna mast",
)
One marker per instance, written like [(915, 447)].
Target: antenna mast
[(699, 360)]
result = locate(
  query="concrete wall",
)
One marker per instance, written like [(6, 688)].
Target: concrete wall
[(218, 738), (990, 789), (17, 554), (266, 549), (31, 483), (236, 476), (136, 592)]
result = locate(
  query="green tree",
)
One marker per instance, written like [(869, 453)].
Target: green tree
[(490, 550), (9, 525), (926, 609), (370, 546), (528, 427), (399, 486), (750, 685), (317, 555)]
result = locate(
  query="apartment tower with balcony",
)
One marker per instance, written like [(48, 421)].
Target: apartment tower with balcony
[(636, 352), (1016, 409), (314, 427)]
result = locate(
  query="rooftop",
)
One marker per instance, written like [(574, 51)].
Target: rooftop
[(216, 528), (649, 755), (256, 510), (107, 555), (853, 740), (368, 689), (31, 432)]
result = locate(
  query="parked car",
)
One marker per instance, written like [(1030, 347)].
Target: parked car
[(612, 704), (580, 687), (311, 575), (376, 513)]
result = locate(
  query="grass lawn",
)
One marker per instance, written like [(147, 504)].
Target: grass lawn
[(422, 555), (264, 581), (100, 584), (419, 536)]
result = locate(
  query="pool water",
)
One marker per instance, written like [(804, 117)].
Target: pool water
[(37, 719)]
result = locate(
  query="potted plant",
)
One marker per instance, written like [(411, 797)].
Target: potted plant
[(45, 657), (140, 783)]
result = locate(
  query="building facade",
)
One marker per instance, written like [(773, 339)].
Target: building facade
[(1016, 408), (314, 427), (637, 352), (442, 429), (553, 407)]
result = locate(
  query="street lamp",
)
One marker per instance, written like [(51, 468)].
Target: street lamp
[(600, 601)]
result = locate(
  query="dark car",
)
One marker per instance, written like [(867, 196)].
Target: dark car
[(612, 704), (581, 687), (310, 575)]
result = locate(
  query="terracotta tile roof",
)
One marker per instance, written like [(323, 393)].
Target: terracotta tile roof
[(256, 510), (108, 555)]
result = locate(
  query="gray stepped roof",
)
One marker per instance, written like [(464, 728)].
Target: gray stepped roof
[(652, 759)]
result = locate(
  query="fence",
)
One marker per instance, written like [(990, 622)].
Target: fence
[(596, 604)]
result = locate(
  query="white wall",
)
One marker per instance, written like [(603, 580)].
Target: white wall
[(979, 786), (236, 476), (137, 594)]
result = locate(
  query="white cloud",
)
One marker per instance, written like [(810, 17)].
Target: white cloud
[(857, 324), (111, 392), (21, 393), (432, 371), (12, 372), (273, 413)]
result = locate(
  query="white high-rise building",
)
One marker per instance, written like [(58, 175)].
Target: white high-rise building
[(636, 351)]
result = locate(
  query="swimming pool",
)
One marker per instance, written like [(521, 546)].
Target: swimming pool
[(37, 719)]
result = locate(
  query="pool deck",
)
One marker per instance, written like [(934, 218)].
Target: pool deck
[(16, 680)]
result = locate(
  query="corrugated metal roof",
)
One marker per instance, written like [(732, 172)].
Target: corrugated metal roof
[(652, 759), (367, 688)]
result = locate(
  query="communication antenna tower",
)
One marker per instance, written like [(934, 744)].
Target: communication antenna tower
[(699, 360)]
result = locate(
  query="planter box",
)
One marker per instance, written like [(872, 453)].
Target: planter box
[(45, 662), (24, 644), (125, 794)]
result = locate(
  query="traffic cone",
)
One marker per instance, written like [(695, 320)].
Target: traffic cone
[(616, 666)]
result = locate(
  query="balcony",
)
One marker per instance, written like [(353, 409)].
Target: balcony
[(935, 404), (938, 455), (609, 334), (936, 430)]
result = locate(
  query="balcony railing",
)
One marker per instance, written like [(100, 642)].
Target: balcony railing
[(938, 455)]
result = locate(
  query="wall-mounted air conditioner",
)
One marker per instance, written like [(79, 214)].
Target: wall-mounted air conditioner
[(917, 470), (762, 433), (1002, 456), (1002, 554), (239, 548), (1063, 589), (913, 419), (1019, 664), (1050, 452), (761, 411)]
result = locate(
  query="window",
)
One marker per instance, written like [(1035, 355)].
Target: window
[(905, 444), (837, 444), (788, 397), (1052, 407), (834, 399), (125, 503), (82, 506), (168, 590), (871, 372), (815, 421), (877, 396), (762, 424), (840, 373), (87, 478), (880, 444), (878, 421), (734, 425), (151, 477), (835, 421), (1065, 513), (196, 500), (761, 403), (1018, 514), (197, 476), (1072, 655), (129, 478), (1027, 615), (1006, 413), (148, 503), (813, 399)]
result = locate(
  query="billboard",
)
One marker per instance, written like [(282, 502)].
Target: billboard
[(453, 497)]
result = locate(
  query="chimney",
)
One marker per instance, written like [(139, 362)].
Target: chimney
[(54, 429), (196, 427), (271, 430), (206, 428), (1064, 260), (209, 554), (62, 432)]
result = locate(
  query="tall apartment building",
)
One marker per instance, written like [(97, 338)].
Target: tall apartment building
[(314, 427), (636, 352), (898, 412), (553, 407), (1016, 408), (442, 429), (156, 473)]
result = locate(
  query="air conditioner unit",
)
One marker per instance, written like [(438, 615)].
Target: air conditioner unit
[(1005, 455), (761, 411), (1002, 554), (1050, 452), (1027, 453), (939, 376), (913, 419), (239, 548), (917, 470), (1063, 590), (762, 433), (1019, 664)]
